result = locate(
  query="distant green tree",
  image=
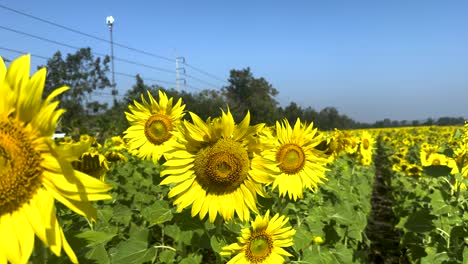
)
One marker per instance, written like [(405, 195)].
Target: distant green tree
[(450, 121), (247, 93), (329, 118), (139, 89), (309, 115), (84, 74), (292, 112), (205, 103), (429, 122)]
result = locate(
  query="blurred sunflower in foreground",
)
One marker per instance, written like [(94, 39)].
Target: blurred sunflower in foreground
[(215, 168), (294, 159), (263, 242), (153, 126), (34, 172)]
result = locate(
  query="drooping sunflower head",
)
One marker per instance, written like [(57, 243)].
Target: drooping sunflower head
[(414, 170), (34, 172), (154, 125), (116, 143), (114, 149), (332, 144), (92, 163), (263, 242), (426, 153), (399, 165), (297, 161), (215, 168)]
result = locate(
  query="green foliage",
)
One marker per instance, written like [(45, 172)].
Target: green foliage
[(432, 215), (83, 74), (337, 213), (140, 224)]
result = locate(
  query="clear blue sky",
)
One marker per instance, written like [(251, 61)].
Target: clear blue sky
[(369, 59)]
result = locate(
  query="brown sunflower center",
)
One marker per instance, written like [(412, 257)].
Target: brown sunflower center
[(365, 143), (222, 167), (20, 166), (259, 247), (158, 129), (291, 158), (414, 170)]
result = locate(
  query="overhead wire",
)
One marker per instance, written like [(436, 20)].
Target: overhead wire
[(21, 52), (146, 79), (199, 80), (77, 48), (86, 34), (117, 73), (114, 43), (204, 72)]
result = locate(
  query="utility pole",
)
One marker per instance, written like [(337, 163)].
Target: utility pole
[(178, 70), (110, 23)]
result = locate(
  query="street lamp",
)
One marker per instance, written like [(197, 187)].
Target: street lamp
[(110, 23)]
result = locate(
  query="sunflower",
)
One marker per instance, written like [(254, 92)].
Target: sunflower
[(367, 144), (153, 126), (215, 168), (461, 158), (425, 154), (352, 144), (414, 170), (263, 242), (295, 160), (33, 170), (92, 163)]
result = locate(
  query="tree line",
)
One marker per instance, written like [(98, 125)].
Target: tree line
[(85, 75)]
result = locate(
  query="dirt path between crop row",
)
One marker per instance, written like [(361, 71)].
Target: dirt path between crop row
[(385, 238)]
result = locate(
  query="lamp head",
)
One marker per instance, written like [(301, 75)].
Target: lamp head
[(109, 21)]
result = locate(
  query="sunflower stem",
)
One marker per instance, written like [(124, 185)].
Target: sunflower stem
[(280, 205), (40, 252), (219, 225), (90, 224)]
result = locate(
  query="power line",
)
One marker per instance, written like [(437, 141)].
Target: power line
[(146, 79), (193, 87), (118, 73), (199, 80), (204, 72), (114, 43), (37, 37), (103, 55), (106, 94), (77, 48), (20, 52), (86, 34)]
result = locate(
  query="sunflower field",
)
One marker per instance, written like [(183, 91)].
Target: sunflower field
[(175, 188)]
